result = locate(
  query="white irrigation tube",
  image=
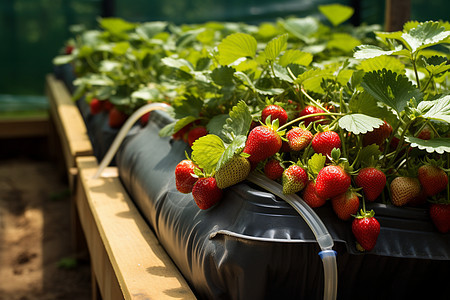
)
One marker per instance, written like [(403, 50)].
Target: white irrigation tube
[(124, 131), (323, 238)]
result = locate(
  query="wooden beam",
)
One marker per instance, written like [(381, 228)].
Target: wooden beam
[(25, 127), (397, 13)]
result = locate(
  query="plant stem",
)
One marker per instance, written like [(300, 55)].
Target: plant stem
[(413, 61), (308, 116)]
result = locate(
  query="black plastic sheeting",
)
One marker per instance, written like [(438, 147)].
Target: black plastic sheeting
[(253, 245)]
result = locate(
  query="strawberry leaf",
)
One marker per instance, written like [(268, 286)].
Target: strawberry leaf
[(369, 155), (370, 51), (215, 125), (294, 56), (207, 151), (316, 163), (425, 35), (382, 62), (359, 123), (236, 146), (235, 46), (183, 122), (438, 109), (179, 63), (336, 13), (223, 76), (439, 145), (238, 123), (343, 41), (275, 47), (390, 88), (302, 28)]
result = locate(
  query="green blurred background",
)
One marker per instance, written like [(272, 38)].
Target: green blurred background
[(32, 32)]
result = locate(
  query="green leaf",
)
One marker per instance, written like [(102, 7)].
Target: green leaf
[(183, 122), (369, 155), (294, 56), (120, 48), (207, 151), (189, 106), (179, 63), (63, 59), (359, 123), (436, 64), (370, 51), (238, 123), (302, 28), (149, 29), (147, 94), (235, 46), (223, 76), (282, 73), (236, 146), (215, 125), (390, 88), (312, 79), (382, 62), (343, 41), (116, 25), (438, 145), (438, 109), (316, 163), (425, 35), (275, 47), (336, 13), (167, 130)]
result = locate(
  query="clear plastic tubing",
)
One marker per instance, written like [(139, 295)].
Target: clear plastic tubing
[(124, 131), (319, 230)]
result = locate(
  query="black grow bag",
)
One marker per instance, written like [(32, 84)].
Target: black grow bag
[(253, 245)]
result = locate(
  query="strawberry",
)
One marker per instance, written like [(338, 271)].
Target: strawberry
[(232, 172), (262, 142), (366, 229), (377, 135), (68, 49), (331, 181), (404, 189), (273, 169), (275, 112), (372, 181), (345, 205), (182, 133), (107, 105), (95, 106), (144, 119), (294, 179), (433, 179), (426, 133), (196, 133), (206, 193), (116, 118), (325, 141), (310, 195), (299, 138), (440, 216), (184, 179), (310, 109)]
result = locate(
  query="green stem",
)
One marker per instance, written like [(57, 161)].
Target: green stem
[(312, 100), (308, 116), (428, 83), (413, 61), (400, 143)]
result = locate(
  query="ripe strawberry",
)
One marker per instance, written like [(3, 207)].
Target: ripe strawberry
[(366, 229), (107, 105), (116, 118), (433, 179), (325, 141), (234, 171), (182, 133), (68, 49), (299, 138), (310, 109), (310, 196), (440, 215), (96, 106), (262, 142), (184, 179), (426, 133), (206, 193), (275, 112), (294, 179), (273, 169), (404, 189), (331, 181), (372, 181), (196, 133), (144, 119), (345, 205), (378, 135)]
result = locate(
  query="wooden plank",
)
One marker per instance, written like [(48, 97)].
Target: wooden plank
[(397, 12), (125, 253), (68, 122), (24, 127)]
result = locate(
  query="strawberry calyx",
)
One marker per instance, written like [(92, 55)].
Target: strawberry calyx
[(364, 214)]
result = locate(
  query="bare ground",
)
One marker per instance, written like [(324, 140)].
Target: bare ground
[(36, 250)]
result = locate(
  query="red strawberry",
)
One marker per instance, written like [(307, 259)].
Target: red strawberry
[(345, 205), (275, 112), (144, 118), (116, 118), (366, 229), (325, 141), (206, 193), (372, 181), (426, 133), (433, 179), (310, 109), (440, 215), (294, 179), (404, 189), (299, 138), (196, 133), (96, 106), (182, 133), (310, 196), (184, 179), (378, 135), (107, 105), (262, 142), (331, 181), (273, 169), (68, 49)]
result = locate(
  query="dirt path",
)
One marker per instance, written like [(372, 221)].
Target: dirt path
[(36, 258)]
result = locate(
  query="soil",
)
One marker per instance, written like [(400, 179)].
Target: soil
[(37, 260)]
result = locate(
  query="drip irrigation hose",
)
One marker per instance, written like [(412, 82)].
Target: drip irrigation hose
[(319, 230)]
